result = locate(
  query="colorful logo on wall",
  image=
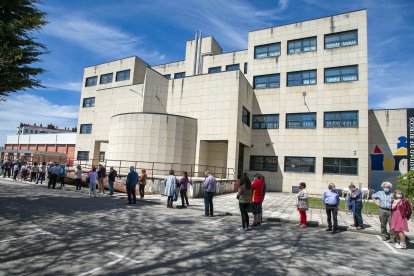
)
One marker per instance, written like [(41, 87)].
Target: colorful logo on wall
[(381, 163)]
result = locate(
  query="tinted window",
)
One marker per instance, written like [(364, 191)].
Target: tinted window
[(268, 121), (341, 39), (269, 50), (106, 78), (299, 164), (266, 81), (340, 166), (91, 81), (122, 75), (233, 67), (341, 74), (263, 163), (302, 45), (301, 78), (342, 119), (301, 120)]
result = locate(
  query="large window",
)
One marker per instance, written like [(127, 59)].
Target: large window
[(246, 116), (106, 78), (301, 120), (341, 39), (233, 67), (302, 45), (83, 155), (85, 129), (268, 50), (89, 102), (266, 81), (299, 164), (122, 75), (341, 119), (267, 121), (263, 163), (91, 81), (301, 78), (340, 166), (341, 74), (214, 69), (101, 156), (179, 75)]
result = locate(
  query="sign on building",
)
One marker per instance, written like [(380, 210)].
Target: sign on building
[(410, 138)]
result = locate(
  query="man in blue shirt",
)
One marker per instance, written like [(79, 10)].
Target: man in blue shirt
[(355, 204), (209, 190), (383, 200), (131, 183), (331, 200)]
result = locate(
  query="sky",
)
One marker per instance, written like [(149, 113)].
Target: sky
[(83, 33)]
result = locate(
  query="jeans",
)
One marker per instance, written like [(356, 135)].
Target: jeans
[(132, 198), (92, 188), (244, 214), (183, 194), (357, 215), (208, 203), (78, 183), (303, 218), (332, 211), (52, 180), (141, 190), (111, 186), (41, 178), (385, 218)]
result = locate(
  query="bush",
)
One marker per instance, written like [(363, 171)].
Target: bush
[(406, 184)]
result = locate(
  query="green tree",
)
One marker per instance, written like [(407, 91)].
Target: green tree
[(406, 184), (19, 20)]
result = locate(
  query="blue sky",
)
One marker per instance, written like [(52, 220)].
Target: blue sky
[(83, 33)]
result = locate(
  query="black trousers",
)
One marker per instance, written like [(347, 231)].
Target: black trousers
[(208, 203), (8, 172), (78, 183), (332, 213), (244, 214), (183, 194), (53, 179), (132, 198), (141, 190), (170, 201)]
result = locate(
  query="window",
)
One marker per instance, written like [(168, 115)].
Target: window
[(343, 39), (301, 78), (83, 155), (301, 120), (245, 68), (302, 45), (268, 50), (214, 70), (299, 164), (122, 75), (101, 156), (268, 121), (106, 78), (263, 163), (179, 75), (266, 81), (91, 81), (233, 67), (85, 129), (89, 102), (167, 76), (246, 116), (341, 119), (340, 165), (341, 74)]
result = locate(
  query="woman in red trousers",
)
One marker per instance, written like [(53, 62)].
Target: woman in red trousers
[(302, 203)]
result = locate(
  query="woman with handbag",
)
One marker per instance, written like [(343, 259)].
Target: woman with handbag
[(302, 203), (243, 195)]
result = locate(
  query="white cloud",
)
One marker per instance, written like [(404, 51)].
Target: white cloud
[(27, 108), (68, 85)]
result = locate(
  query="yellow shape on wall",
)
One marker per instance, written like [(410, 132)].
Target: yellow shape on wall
[(388, 167), (401, 151)]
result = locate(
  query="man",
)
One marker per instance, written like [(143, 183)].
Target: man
[(7, 168), (383, 200), (209, 185), (355, 204), (111, 179), (257, 199), (331, 200), (101, 178), (131, 183), (54, 173)]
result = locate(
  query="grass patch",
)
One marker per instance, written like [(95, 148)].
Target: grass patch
[(370, 207)]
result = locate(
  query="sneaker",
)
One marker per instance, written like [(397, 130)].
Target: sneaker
[(303, 226), (402, 245), (241, 229)]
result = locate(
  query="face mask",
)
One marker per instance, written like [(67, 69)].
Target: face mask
[(398, 196), (386, 190)]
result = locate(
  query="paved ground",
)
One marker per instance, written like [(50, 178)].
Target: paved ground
[(63, 232)]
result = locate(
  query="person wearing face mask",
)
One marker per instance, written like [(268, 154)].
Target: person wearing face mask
[(355, 204), (331, 200), (401, 210), (383, 200)]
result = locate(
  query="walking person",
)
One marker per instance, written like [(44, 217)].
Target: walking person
[(101, 178), (7, 168), (62, 175), (142, 183), (93, 179), (170, 185), (302, 204), (401, 211), (34, 171), (54, 173), (183, 189), (383, 200), (111, 180), (209, 186), (355, 204), (331, 200), (78, 177), (131, 184), (243, 195), (42, 173), (257, 199)]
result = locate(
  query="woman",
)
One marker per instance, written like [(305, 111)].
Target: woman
[(400, 207), (142, 183), (183, 189), (170, 186), (42, 173), (93, 178), (243, 195), (302, 203), (33, 172), (78, 177)]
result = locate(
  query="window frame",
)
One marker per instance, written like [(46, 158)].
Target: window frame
[(267, 83), (117, 75), (244, 116), (87, 84), (102, 78), (267, 52), (84, 102), (341, 119), (302, 40), (300, 165), (211, 70), (101, 156), (340, 167), (302, 121), (167, 75), (341, 41), (179, 75), (82, 126), (264, 123), (234, 65), (84, 152), (302, 79), (341, 76), (264, 166)]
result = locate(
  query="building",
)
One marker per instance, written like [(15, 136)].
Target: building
[(50, 128), (293, 106)]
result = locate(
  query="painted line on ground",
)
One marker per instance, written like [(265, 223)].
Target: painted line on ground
[(393, 249), (119, 259), (218, 220), (124, 257), (356, 270)]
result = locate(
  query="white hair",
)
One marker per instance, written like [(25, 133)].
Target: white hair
[(386, 184)]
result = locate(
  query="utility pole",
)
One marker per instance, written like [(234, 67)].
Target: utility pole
[(18, 141)]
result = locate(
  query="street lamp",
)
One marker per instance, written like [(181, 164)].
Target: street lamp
[(18, 140)]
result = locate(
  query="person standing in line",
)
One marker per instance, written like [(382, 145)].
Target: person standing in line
[(24, 171), (401, 211), (170, 185), (7, 168), (42, 173), (93, 179), (355, 204), (16, 170), (54, 172), (131, 185), (302, 204), (257, 199), (243, 195), (142, 183), (34, 171), (62, 175), (383, 200), (183, 189), (209, 185), (331, 200), (101, 178), (111, 180), (78, 177)]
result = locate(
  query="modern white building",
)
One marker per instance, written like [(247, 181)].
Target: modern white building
[(293, 106)]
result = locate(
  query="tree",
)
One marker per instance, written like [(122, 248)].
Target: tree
[(19, 19), (406, 184)]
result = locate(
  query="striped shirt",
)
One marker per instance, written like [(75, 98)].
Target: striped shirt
[(384, 199)]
